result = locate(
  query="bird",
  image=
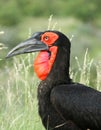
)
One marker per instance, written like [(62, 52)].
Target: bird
[(62, 103)]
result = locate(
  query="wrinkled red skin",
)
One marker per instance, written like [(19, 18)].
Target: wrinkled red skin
[(43, 63)]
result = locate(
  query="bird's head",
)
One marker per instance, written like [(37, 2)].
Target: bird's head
[(48, 43)]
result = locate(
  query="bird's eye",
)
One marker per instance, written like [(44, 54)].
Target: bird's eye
[(46, 38)]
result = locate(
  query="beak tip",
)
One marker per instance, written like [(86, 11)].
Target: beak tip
[(8, 55)]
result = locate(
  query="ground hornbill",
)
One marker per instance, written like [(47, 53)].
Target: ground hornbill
[(63, 104)]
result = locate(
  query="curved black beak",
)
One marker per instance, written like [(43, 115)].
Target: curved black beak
[(28, 46)]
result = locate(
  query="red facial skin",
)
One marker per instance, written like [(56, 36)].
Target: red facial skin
[(44, 62)]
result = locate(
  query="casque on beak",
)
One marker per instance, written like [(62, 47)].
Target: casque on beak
[(30, 45)]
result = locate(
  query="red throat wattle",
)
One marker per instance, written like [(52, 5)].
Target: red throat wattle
[(44, 62)]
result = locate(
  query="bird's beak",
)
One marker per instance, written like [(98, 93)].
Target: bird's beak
[(28, 46)]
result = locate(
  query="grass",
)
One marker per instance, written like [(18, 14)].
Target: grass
[(18, 109), (18, 85), (83, 72)]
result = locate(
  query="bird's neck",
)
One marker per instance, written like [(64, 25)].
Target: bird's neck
[(53, 67), (59, 73)]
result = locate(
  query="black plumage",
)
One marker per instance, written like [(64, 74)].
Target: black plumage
[(63, 104)]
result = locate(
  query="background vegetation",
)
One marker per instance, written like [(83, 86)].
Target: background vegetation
[(80, 21), (13, 11)]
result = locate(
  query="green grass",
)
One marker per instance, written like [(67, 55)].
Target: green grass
[(18, 82), (18, 102)]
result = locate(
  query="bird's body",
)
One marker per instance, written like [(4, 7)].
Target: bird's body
[(73, 110), (52, 119), (63, 104)]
